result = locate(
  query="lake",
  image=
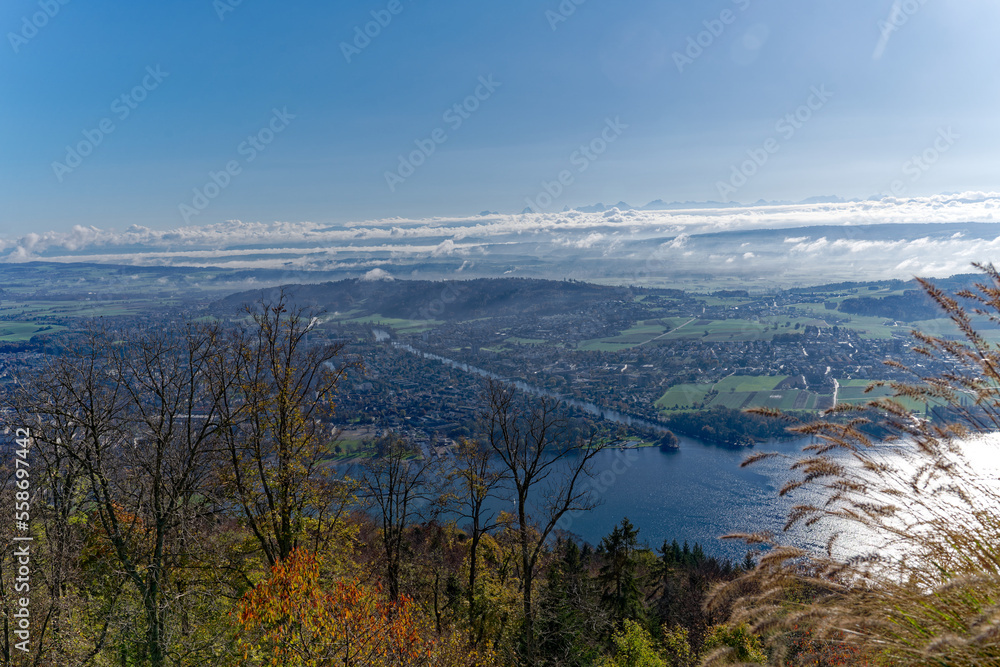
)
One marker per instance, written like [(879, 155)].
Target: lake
[(696, 493)]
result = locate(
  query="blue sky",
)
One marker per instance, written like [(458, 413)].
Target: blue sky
[(213, 74)]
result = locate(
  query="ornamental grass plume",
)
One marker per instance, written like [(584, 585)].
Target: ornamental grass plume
[(909, 507)]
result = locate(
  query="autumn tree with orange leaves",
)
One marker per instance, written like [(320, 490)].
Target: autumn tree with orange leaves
[(290, 620), (293, 620)]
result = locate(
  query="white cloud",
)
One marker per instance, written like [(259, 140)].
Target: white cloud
[(589, 241), (679, 242), (815, 246), (446, 247), (309, 245), (377, 274)]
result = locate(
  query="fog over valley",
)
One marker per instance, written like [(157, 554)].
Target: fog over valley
[(765, 244)]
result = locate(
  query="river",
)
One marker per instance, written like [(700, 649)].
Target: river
[(590, 408)]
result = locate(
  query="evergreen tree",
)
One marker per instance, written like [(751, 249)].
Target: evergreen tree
[(618, 578), (569, 618)]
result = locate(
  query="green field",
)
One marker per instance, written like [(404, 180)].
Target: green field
[(709, 300), (661, 331), (718, 331), (748, 383), (37, 309), (745, 392), (853, 392), (738, 392), (16, 332), (683, 396), (352, 443), (629, 338), (516, 340), (603, 346), (710, 331), (401, 325), (867, 327)]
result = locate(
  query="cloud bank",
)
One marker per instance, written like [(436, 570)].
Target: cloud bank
[(633, 243)]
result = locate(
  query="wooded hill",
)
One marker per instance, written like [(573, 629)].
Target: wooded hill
[(459, 300)]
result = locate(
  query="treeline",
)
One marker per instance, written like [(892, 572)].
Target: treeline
[(910, 306), (725, 426), (848, 286), (446, 300)]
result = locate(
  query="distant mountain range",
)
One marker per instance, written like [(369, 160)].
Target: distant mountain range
[(660, 205)]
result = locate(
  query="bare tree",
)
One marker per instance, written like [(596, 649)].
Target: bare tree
[(60, 499), (132, 414), (546, 467), (399, 483)]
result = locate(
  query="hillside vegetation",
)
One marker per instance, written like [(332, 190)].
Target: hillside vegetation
[(186, 507)]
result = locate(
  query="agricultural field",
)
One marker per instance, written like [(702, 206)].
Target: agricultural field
[(853, 392), (706, 330), (400, 325), (739, 392), (683, 396), (882, 328), (867, 327), (946, 328), (515, 340), (637, 335), (16, 332), (725, 301), (79, 308), (745, 392), (721, 331)]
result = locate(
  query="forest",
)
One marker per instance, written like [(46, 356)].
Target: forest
[(726, 426), (909, 306)]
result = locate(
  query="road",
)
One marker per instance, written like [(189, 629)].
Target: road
[(667, 333)]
